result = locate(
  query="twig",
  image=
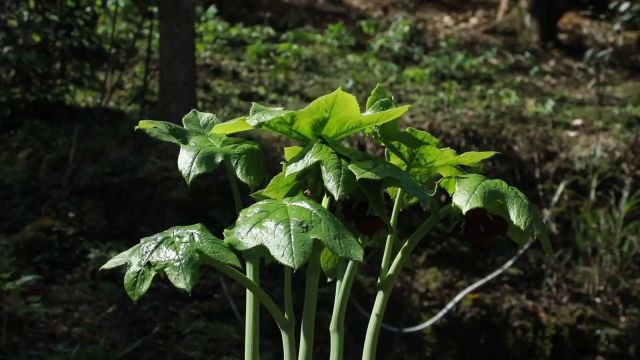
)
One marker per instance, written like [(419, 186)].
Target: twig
[(112, 34), (502, 9), (232, 304), (69, 171), (147, 64)]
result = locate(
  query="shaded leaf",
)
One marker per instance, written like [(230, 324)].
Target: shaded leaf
[(329, 263), (165, 131)]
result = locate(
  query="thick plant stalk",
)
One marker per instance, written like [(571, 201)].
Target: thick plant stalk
[(252, 311), (344, 282), (481, 282), (289, 336), (307, 330), (345, 279), (388, 246), (386, 286), (252, 268), (264, 298), (284, 320)]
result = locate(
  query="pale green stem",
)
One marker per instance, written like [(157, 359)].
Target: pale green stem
[(252, 311), (310, 304), (233, 182), (388, 246), (289, 336), (252, 305), (287, 328), (263, 297), (307, 330), (344, 282), (384, 291)]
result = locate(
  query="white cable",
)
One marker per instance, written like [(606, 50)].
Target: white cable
[(460, 295)]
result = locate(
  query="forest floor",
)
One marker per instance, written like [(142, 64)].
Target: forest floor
[(567, 128)]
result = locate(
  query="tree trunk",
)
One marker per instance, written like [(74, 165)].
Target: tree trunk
[(177, 58), (546, 14), (532, 21)]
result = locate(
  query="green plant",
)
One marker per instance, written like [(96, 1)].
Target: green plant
[(17, 302), (606, 237), (304, 216)]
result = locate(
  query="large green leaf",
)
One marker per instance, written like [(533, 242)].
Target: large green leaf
[(474, 191), (426, 160), (201, 151), (336, 176), (334, 116), (177, 252), (287, 229)]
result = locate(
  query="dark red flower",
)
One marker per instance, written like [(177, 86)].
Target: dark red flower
[(481, 228)]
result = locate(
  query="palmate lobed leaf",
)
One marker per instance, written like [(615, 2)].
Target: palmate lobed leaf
[(426, 160), (334, 116), (177, 252), (202, 152), (474, 191), (417, 151), (287, 229)]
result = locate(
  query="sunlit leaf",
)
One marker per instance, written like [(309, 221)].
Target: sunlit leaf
[(232, 126), (292, 151), (279, 187), (201, 151), (418, 153), (474, 191), (379, 100), (287, 229), (334, 116), (177, 252)]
